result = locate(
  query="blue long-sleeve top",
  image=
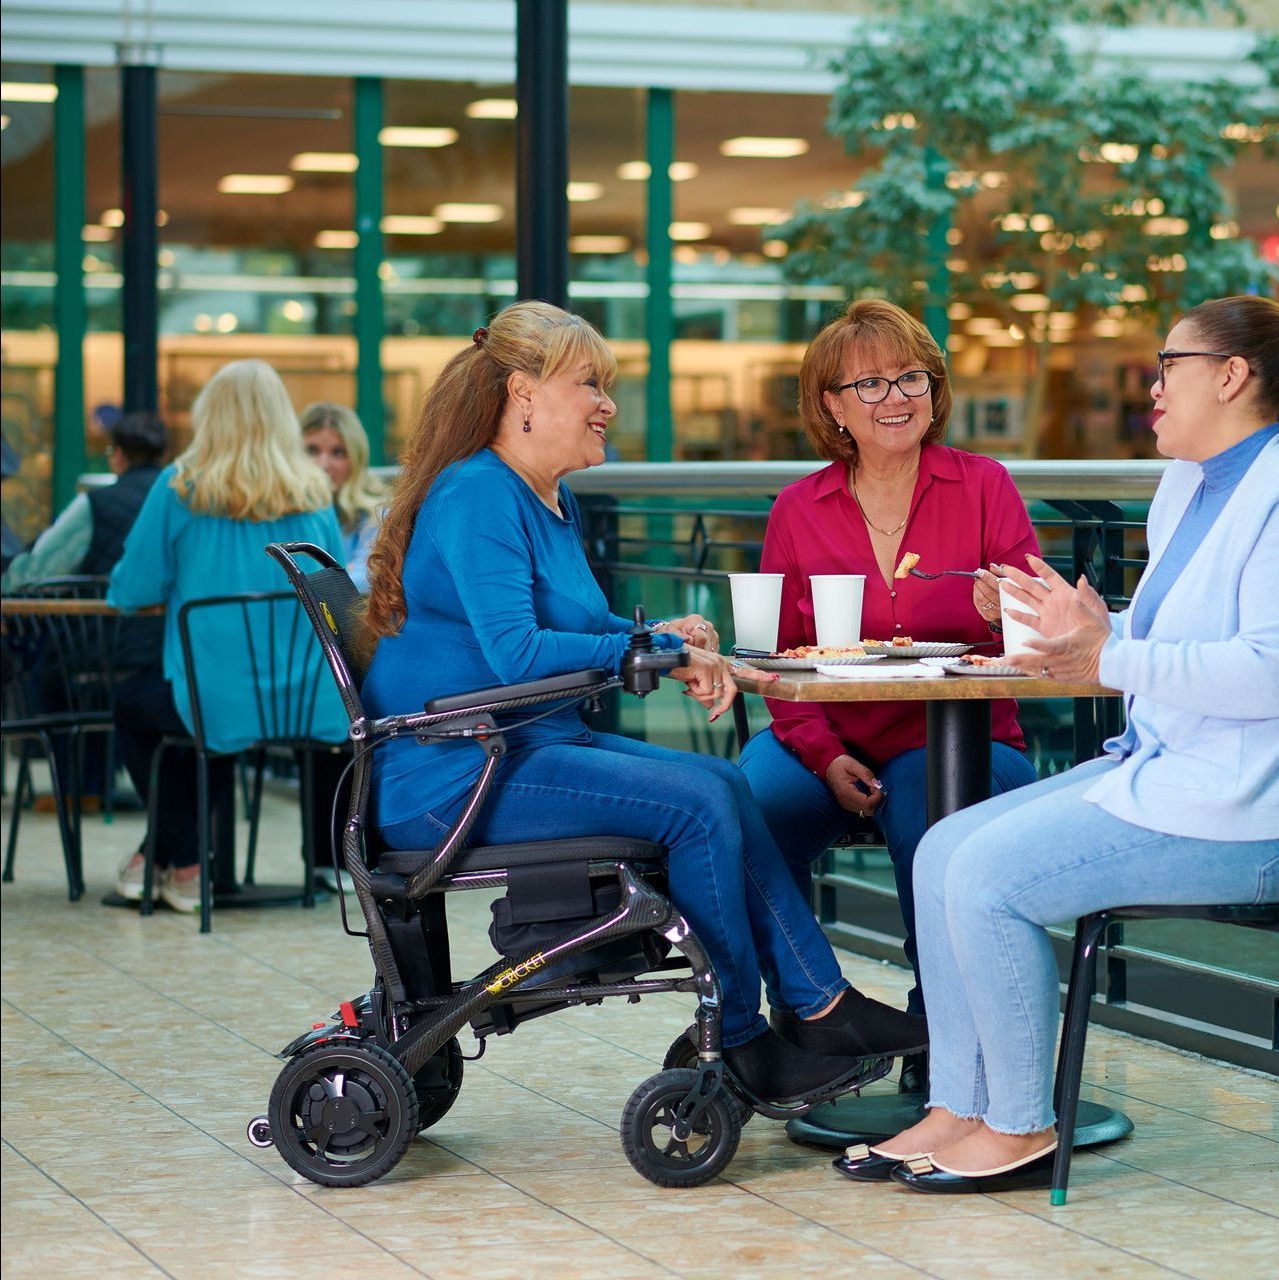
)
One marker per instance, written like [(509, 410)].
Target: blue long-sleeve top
[(1200, 754), (173, 555), (497, 591)]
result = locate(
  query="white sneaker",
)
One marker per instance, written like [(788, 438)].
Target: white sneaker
[(181, 895), (128, 878)]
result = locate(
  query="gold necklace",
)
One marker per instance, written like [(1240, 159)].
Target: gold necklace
[(888, 533)]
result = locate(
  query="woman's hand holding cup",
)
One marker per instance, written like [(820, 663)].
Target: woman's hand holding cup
[(1072, 623)]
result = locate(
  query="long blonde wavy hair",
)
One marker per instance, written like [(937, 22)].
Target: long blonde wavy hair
[(246, 459), (460, 415), (363, 495)]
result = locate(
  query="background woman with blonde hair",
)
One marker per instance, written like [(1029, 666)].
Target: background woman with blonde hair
[(480, 579), (335, 438), (243, 481)]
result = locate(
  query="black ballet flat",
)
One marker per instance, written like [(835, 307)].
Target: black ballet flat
[(922, 1174), (861, 1164)]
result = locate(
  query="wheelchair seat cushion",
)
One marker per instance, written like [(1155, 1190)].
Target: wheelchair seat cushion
[(499, 857)]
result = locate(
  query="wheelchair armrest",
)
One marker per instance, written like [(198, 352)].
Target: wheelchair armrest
[(494, 698)]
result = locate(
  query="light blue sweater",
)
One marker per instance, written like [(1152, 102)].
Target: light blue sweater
[(1201, 750), (173, 555)]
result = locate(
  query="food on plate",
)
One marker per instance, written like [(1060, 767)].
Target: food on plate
[(897, 642), (908, 561), (822, 651), (979, 660)]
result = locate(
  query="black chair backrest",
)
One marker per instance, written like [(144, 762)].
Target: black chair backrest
[(271, 645), (64, 661)]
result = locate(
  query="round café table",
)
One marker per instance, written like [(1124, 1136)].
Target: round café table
[(957, 715)]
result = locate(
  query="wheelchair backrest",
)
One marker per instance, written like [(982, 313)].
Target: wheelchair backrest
[(332, 604)]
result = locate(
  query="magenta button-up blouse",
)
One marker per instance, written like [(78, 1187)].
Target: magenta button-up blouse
[(966, 513)]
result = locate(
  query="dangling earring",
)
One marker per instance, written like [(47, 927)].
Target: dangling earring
[(526, 423)]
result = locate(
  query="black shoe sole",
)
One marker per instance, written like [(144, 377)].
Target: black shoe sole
[(1036, 1176), (866, 1072)]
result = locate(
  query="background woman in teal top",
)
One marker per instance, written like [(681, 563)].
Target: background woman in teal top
[(479, 578), (243, 482)]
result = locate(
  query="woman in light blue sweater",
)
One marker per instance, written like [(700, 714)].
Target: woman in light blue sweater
[(1184, 806)]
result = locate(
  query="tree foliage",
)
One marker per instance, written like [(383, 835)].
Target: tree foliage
[(1100, 189)]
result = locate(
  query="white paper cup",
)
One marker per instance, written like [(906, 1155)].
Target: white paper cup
[(757, 605), (837, 607), (1016, 634)]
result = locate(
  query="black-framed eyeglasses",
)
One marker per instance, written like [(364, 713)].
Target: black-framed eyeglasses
[(1162, 358), (913, 383)]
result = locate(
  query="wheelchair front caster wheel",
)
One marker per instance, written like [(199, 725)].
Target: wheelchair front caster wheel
[(342, 1115), (683, 1054), (259, 1132), (669, 1151)]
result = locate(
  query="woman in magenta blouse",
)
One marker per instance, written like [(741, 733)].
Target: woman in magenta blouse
[(875, 397)]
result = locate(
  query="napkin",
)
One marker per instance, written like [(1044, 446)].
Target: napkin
[(880, 671)]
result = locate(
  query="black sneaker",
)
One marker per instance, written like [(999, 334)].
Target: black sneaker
[(772, 1070), (857, 1026)]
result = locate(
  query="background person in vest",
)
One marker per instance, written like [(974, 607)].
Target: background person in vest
[(88, 537)]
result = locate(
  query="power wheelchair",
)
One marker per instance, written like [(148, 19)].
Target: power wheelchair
[(582, 920)]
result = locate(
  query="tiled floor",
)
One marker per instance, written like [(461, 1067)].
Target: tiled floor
[(134, 1051)]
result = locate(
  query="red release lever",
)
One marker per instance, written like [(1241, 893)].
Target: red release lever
[(347, 1010)]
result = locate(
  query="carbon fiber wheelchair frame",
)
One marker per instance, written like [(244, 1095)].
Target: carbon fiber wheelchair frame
[(355, 1090)]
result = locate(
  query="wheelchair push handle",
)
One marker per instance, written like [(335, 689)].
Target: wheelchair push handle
[(642, 665)]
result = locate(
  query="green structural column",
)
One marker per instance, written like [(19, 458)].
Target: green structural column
[(368, 264), (68, 293), (936, 319), (659, 324)]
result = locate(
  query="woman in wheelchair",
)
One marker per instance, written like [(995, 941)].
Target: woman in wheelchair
[(1183, 809), (479, 578)]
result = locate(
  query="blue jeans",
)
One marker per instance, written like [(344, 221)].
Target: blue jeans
[(804, 817), (988, 882), (726, 874)]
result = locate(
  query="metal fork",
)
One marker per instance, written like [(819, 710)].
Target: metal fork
[(954, 573)]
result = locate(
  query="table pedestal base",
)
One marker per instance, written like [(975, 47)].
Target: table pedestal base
[(850, 1120)]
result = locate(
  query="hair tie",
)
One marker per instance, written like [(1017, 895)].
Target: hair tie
[(479, 335)]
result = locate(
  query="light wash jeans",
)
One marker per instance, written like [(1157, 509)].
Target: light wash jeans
[(988, 882), (726, 874), (804, 817)]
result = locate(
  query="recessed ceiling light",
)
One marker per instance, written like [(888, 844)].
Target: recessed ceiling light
[(682, 170), (775, 248), (407, 224), (493, 109), (580, 192), (255, 184), (598, 244), (96, 233), (756, 216), (324, 162), (27, 91), (689, 230), (1029, 302), (112, 218), (406, 136), (463, 212), (634, 170), (764, 148), (336, 239)]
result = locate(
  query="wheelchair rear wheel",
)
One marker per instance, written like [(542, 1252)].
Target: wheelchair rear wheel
[(342, 1114), (683, 1054), (674, 1153), (437, 1084)]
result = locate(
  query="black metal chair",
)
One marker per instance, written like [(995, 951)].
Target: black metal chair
[(279, 658), (60, 685), (1089, 931)]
